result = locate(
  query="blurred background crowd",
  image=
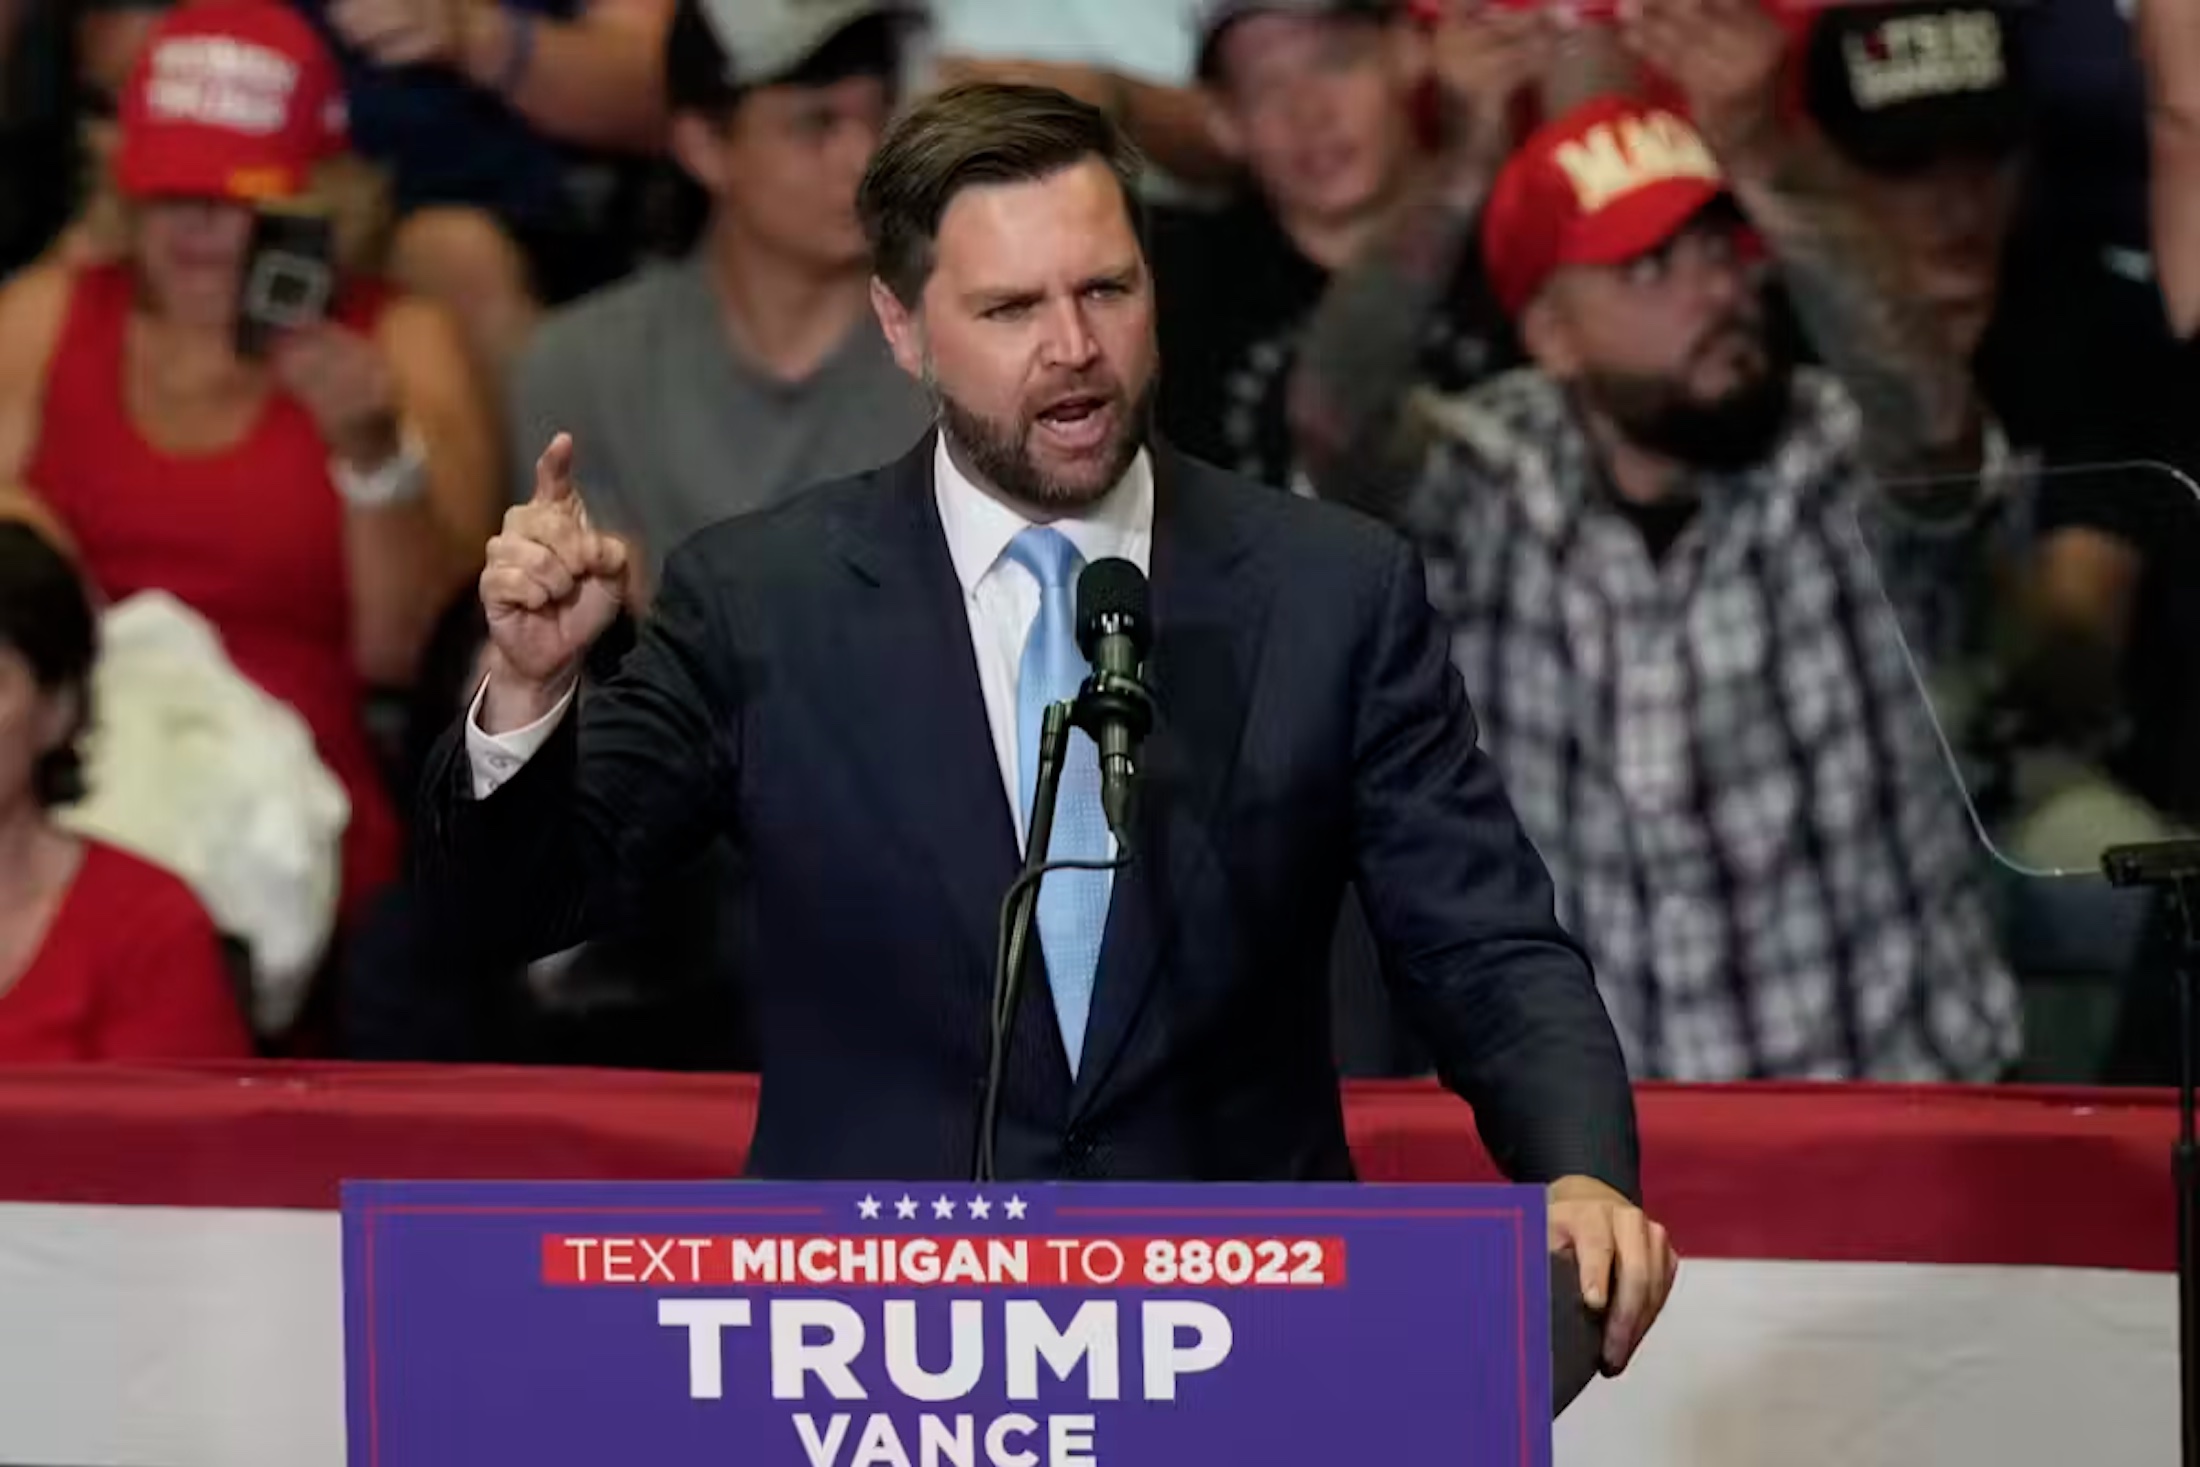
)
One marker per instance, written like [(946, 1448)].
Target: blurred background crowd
[(1792, 400)]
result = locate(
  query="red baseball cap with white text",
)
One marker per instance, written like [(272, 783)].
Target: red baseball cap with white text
[(230, 99), (1610, 181)]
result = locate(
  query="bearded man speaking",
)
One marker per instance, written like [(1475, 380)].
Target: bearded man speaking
[(849, 685)]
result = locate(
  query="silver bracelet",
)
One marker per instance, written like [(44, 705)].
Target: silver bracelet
[(398, 479)]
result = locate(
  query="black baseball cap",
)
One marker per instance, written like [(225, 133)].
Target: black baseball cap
[(1217, 16), (1898, 87)]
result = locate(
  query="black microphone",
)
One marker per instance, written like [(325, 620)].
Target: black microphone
[(1115, 708)]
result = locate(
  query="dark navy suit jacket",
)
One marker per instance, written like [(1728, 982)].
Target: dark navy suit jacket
[(806, 682)]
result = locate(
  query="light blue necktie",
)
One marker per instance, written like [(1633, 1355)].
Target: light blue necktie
[(1073, 905)]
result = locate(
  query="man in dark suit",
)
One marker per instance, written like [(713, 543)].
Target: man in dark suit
[(849, 686)]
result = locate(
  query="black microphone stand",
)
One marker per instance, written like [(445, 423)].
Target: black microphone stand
[(2173, 868), (1018, 907)]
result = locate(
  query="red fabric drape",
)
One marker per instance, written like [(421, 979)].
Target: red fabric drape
[(1930, 1174)]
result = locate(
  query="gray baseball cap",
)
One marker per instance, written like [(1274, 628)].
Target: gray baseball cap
[(765, 40), (1217, 16)]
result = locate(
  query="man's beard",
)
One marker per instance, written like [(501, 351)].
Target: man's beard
[(1000, 453), (1734, 431)]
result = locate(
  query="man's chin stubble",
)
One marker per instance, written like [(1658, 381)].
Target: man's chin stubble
[(1016, 475)]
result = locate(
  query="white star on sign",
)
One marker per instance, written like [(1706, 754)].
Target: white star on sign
[(1014, 1207), (868, 1209), (979, 1208), (906, 1208), (943, 1208)]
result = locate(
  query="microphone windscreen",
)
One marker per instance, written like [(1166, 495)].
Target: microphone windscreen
[(1111, 597)]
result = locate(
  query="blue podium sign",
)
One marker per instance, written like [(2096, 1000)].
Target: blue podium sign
[(780, 1325)]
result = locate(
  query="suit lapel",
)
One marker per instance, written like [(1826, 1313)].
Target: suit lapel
[(1208, 619), (917, 713)]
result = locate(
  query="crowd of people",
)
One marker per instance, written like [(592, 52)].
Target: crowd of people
[(1788, 398)]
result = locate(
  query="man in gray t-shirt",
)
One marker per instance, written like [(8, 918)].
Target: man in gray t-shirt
[(754, 367), (698, 390)]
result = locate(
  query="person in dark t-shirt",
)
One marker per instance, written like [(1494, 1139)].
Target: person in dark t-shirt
[(1318, 99), (2005, 146), (1937, 106)]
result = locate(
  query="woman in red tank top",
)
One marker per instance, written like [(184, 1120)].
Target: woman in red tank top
[(323, 503)]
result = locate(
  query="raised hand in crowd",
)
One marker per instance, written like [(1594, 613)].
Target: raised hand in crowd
[(1484, 59), (553, 584), (1922, 415), (1350, 395), (595, 80), (1727, 58)]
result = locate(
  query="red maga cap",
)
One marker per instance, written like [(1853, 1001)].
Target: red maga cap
[(1611, 180), (230, 99)]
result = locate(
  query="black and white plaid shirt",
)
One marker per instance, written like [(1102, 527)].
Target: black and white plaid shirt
[(1722, 754)]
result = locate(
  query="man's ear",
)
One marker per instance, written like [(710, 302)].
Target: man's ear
[(903, 327), (695, 142), (1548, 336)]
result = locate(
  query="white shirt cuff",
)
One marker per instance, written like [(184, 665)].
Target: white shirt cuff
[(497, 757)]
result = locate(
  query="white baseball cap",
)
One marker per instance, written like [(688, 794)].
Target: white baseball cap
[(765, 40)]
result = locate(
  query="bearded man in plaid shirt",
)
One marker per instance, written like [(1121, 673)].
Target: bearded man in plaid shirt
[(1652, 547)]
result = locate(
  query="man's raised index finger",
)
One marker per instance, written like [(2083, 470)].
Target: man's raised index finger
[(554, 471)]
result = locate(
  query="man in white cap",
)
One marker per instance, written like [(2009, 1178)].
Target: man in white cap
[(701, 389), (726, 381)]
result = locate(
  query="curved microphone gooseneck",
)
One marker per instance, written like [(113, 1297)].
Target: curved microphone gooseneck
[(1116, 710)]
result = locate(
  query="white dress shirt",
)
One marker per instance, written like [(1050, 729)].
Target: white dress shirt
[(1000, 598)]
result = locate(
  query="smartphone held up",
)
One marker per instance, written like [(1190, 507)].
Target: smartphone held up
[(289, 276)]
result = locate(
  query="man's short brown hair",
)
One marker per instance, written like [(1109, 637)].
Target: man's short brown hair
[(967, 136)]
